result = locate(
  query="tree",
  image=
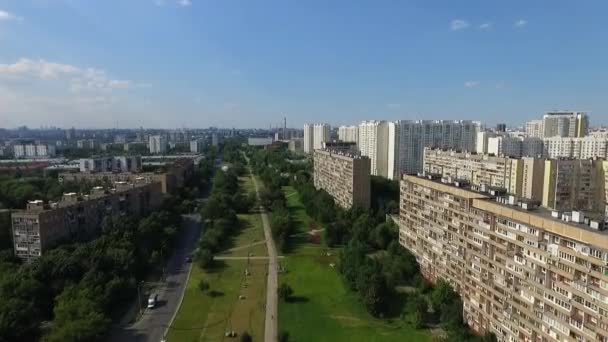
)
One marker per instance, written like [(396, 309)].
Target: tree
[(246, 337), (284, 336), (205, 258), (78, 317), (285, 292), (417, 308), (442, 294)]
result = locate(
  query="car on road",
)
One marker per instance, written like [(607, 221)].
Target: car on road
[(152, 300)]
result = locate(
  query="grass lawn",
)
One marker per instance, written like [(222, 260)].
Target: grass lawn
[(323, 309), (204, 317)]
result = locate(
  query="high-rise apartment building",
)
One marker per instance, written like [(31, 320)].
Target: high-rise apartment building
[(44, 225), (158, 144), (348, 133), (407, 140), (345, 176), (534, 129), (197, 145), (515, 146), (34, 150), (575, 184), (524, 273), (579, 148), (565, 124), (314, 136), (373, 143)]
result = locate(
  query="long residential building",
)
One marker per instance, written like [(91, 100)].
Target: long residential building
[(314, 136), (345, 176), (177, 172), (523, 272), (579, 148), (43, 226), (561, 184)]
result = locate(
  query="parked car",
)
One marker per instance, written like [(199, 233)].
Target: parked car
[(152, 300)]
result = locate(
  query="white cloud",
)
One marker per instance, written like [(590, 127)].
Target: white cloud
[(520, 23), (184, 3), (458, 24), (77, 78), (471, 84), (4, 15), (485, 26)]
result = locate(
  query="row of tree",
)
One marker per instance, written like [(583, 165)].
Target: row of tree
[(220, 214)]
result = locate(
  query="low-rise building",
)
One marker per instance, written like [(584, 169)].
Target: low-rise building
[(42, 226), (346, 177)]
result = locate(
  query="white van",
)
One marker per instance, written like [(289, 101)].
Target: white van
[(152, 301)]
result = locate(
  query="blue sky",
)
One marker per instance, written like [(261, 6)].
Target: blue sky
[(180, 63)]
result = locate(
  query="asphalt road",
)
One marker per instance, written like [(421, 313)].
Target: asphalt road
[(151, 327)]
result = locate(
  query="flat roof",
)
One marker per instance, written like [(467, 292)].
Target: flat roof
[(539, 217)]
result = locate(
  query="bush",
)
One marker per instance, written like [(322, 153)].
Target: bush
[(285, 292), (246, 337), (203, 285), (284, 336)]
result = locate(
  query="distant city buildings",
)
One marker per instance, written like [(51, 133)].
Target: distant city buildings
[(257, 141), (345, 176), (534, 129), (341, 146), (197, 145), (407, 140), (578, 148), (33, 150), (567, 124), (296, 145), (348, 134), (314, 136), (158, 144), (111, 164)]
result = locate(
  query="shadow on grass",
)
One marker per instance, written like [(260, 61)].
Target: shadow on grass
[(215, 293), (297, 299), (216, 266)]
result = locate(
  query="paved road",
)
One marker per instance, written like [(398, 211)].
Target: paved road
[(151, 327), (271, 327)]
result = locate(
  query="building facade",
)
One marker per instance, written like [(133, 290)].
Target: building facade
[(534, 129), (407, 140), (580, 148), (158, 144), (567, 124), (348, 133), (43, 226), (314, 136), (374, 144), (346, 177), (522, 273)]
